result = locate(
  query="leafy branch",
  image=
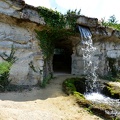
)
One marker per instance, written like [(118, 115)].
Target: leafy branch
[(9, 58), (112, 22), (55, 30)]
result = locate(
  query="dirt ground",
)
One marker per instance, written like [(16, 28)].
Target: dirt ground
[(49, 103)]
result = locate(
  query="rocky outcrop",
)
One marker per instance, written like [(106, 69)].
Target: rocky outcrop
[(107, 43), (99, 32), (17, 29), (86, 21), (25, 12), (17, 24), (112, 89)]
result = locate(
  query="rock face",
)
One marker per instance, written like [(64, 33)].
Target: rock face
[(17, 24), (86, 21), (107, 43), (27, 12), (112, 89), (103, 51), (17, 29)]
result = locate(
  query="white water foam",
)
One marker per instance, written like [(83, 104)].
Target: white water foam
[(100, 98)]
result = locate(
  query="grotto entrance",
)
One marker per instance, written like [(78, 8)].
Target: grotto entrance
[(62, 58)]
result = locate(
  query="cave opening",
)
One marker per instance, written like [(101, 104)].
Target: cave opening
[(62, 59)]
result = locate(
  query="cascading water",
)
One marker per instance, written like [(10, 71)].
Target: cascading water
[(90, 67)]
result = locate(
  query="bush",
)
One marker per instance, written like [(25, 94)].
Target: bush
[(4, 75), (5, 68)]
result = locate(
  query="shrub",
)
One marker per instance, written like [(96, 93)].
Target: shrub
[(5, 68), (4, 75)]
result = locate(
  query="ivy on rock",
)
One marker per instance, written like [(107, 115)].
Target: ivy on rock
[(58, 27)]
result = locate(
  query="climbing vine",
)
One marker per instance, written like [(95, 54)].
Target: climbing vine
[(57, 19), (48, 38), (58, 28), (112, 22)]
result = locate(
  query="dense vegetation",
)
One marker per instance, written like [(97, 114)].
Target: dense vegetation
[(70, 88), (5, 68), (112, 22), (58, 27)]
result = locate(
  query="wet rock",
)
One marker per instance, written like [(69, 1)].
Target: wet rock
[(73, 85), (80, 85), (112, 89)]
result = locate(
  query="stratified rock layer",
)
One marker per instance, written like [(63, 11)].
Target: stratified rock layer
[(18, 30)]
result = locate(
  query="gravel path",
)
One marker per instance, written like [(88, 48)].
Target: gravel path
[(42, 104)]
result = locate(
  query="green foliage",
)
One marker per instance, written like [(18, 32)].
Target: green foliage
[(71, 18), (112, 22), (54, 32), (69, 84), (69, 87), (52, 18), (9, 58), (5, 68), (78, 95), (113, 90), (55, 28), (91, 107), (4, 75), (57, 20), (48, 38), (112, 19), (46, 80)]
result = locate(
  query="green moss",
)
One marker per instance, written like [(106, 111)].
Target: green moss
[(117, 80), (114, 90), (78, 95), (68, 85), (98, 109), (4, 67)]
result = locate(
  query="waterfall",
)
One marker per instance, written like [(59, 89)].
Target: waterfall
[(90, 66)]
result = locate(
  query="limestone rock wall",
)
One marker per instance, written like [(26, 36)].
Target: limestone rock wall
[(103, 51), (107, 43), (26, 12), (27, 50), (17, 29)]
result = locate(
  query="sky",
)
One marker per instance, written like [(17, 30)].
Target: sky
[(91, 8)]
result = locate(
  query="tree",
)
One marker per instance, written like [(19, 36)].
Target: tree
[(112, 19)]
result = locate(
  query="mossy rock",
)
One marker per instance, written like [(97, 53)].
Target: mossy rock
[(74, 84), (69, 87), (112, 89)]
